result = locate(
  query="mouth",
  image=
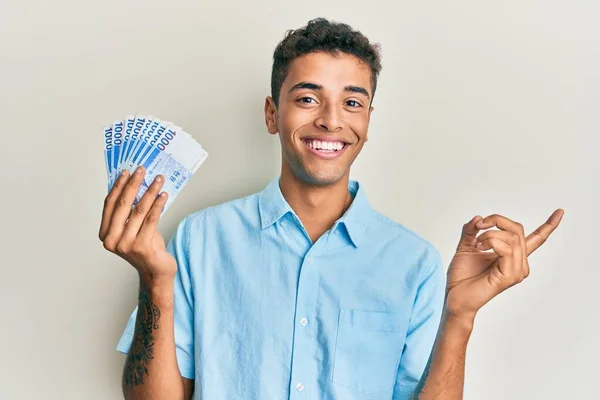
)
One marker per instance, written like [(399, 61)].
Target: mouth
[(330, 148)]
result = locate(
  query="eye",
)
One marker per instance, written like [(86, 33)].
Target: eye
[(306, 100), (353, 103)]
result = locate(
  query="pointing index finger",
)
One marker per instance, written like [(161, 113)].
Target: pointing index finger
[(538, 237)]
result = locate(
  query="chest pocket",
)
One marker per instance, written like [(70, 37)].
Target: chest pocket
[(368, 349)]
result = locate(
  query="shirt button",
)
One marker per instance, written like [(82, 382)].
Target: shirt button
[(303, 322), (309, 260), (299, 387), (282, 223), (336, 232)]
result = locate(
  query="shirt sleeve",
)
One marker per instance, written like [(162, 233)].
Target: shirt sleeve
[(183, 306), (423, 325)]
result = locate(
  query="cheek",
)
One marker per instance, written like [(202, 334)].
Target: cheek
[(290, 123), (360, 128)]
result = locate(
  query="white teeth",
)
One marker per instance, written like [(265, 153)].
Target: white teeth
[(324, 146)]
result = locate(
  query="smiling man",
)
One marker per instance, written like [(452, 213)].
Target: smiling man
[(303, 291)]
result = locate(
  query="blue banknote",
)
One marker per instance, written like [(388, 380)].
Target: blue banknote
[(161, 147), (136, 123), (127, 138), (117, 129), (142, 126), (146, 130), (176, 156), (108, 144), (143, 148)]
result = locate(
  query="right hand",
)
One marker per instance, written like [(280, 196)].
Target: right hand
[(132, 233)]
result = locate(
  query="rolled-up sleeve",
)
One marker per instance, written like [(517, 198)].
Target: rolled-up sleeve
[(178, 246), (423, 325)]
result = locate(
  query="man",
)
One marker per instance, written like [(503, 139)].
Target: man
[(303, 290)]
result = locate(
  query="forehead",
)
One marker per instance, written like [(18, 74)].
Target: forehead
[(334, 72)]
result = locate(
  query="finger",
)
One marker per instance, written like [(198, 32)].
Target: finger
[(499, 246), (123, 204), (109, 204), (469, 232), (505, 224), (136, 218), (538, 237), (511, 260), (151, 220), (507, 237), (501, 223)]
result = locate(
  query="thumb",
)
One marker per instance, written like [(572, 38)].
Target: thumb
[(469, 232)]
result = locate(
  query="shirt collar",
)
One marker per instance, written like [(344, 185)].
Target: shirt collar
[(357, 216), (273, 206)]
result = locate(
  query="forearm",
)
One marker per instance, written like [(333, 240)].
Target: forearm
[(151, 370), (444, 375)]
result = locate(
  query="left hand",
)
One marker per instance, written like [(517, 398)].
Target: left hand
[(475, 276)]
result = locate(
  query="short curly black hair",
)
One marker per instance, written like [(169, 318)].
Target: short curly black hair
[(322, 35)]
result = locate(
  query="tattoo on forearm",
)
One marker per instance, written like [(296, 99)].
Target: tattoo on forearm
[(143, 342)]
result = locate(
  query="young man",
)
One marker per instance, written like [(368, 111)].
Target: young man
[(302, 290)]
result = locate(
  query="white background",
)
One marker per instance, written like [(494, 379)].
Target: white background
[(482, 107)]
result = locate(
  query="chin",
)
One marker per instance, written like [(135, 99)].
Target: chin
[(315, 173), (321, 177)]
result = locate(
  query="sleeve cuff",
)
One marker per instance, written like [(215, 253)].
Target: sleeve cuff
[(185, 363), (125, 343)]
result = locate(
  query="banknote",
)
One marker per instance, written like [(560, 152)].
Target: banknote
[(142, 126), (161, 147), (136, 122), (143, 148), (108, 144), (127, 138), (117, 129)]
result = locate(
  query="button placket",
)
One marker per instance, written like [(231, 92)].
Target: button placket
[(303, 370)]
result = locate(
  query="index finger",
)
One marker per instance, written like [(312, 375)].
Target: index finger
[(109, 204), (538, 237)]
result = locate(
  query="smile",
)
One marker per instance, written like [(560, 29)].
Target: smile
[(326, 148)]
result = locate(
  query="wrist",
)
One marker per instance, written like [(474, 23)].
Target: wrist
[(159, 289), (462, 323), (150, 280)]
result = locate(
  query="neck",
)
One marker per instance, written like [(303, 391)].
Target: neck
[(318, 207)]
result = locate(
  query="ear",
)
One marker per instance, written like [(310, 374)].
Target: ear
[(271, 115)]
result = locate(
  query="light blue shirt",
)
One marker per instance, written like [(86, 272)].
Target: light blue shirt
[(263, 313)]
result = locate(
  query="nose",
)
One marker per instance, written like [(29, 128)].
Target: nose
[(329, 119)]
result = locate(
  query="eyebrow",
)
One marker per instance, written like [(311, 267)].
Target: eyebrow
[(314, 86)]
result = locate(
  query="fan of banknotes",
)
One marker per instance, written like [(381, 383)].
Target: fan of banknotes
[(161, 147)]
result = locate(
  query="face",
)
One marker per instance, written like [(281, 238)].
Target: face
[(323, 116)]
